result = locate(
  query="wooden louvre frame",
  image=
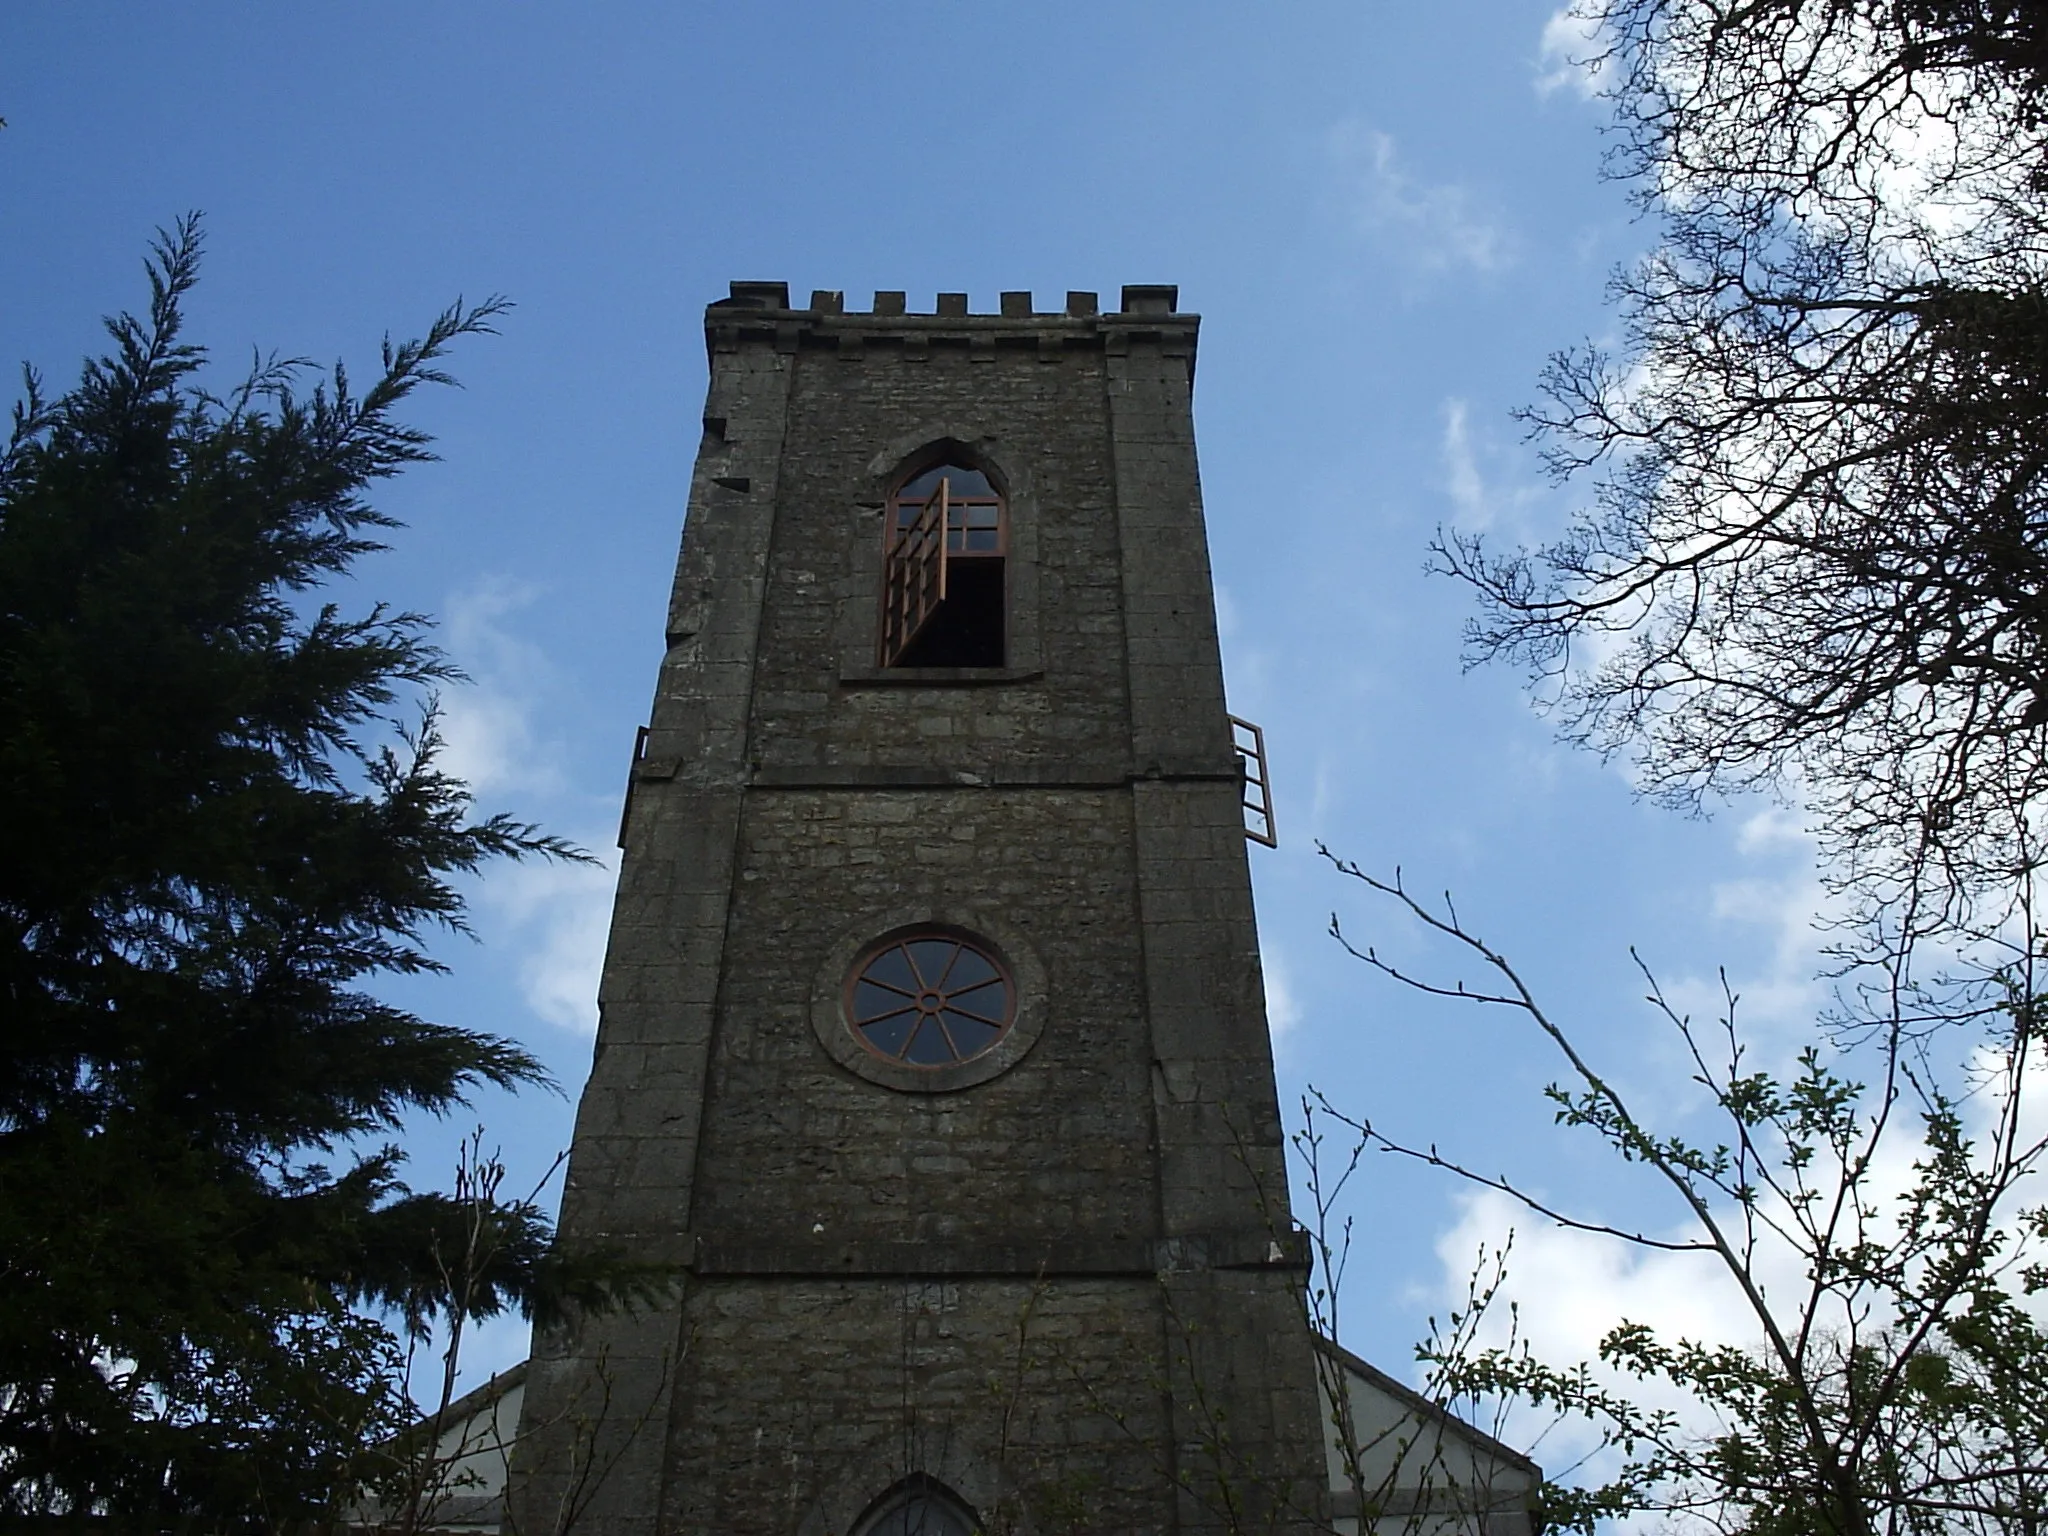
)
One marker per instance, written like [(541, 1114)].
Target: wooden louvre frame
[(914, 577), (1250, 743)]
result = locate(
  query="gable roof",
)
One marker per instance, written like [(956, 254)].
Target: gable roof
[(1422, 1407)]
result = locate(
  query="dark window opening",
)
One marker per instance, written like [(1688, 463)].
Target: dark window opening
[(965, 630), (943, 582)]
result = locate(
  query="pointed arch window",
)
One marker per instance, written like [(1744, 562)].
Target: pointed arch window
[(920, 1506), (943, 573)]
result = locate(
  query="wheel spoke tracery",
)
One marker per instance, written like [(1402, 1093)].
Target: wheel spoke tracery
[(930, 1000)]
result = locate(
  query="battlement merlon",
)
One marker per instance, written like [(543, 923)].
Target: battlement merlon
[(759, 313)]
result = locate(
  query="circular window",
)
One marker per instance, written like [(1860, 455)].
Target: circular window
[(924, 999), (930, 1000)]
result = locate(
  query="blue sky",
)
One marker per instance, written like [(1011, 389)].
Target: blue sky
[(1387, 215)]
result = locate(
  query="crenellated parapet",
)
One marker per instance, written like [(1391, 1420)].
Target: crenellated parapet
[(1148, 315)]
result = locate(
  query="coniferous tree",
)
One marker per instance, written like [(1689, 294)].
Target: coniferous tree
[(215, 834)]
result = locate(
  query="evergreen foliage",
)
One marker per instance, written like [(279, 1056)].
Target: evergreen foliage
[(213, 840)]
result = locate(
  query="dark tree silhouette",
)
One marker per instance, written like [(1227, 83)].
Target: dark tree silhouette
[(1814, 560), (214, 837), (1816, 556)]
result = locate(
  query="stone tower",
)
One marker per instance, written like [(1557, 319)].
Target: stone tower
[(933, 1048)]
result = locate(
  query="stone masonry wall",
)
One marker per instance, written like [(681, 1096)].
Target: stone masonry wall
[(1041, 1404), (1042, 428), (1060, 1146), (1069, 1292)]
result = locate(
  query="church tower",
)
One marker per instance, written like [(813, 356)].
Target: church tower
[(933, 1049)]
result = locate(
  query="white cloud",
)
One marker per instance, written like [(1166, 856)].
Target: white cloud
[(487, 737), (1780, 900), (1581, 1284), (1461, 468), (552, 917), (556, 917), (487, 723), (1572, 1288), (1566, 1290), (1436, 227), (1773, 827), (1575, 1286), (1569, 56), (1480, 503), (1283, 1006), (1227, 622)]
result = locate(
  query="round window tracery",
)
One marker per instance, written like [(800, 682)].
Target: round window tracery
[(930, 999)]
